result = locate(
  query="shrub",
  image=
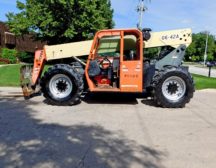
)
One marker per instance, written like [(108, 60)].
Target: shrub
[(9, 54), (195, 58), (2, 63), (210, 58), (25, 57)]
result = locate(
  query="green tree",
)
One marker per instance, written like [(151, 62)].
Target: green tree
[(196, 50), (191, 50), (151, 53), (59, 21)]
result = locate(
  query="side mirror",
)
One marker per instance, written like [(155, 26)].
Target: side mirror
[(146, 34)]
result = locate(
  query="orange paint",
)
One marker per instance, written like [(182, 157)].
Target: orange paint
[(39, 60), (131, 72)]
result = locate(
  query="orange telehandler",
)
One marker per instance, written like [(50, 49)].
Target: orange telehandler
[(115, 64)]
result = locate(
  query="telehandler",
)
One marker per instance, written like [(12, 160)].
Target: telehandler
[(115, 63)]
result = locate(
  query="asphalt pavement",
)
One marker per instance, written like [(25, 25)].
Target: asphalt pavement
[(106, 132), (202, 70)]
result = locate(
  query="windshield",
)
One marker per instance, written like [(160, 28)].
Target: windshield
[(109, 46)]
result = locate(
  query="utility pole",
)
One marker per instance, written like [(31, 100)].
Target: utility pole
[(206, 47), (141, 9)]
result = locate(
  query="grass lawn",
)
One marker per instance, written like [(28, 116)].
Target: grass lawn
[(202, 82), (9, 76)]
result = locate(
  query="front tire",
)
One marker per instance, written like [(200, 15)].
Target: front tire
[(174, 88), (62, 85)]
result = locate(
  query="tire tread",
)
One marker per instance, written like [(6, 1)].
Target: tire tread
[(78, 81), (158, 79)]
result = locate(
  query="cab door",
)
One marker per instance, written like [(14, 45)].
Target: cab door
[(131, 63)]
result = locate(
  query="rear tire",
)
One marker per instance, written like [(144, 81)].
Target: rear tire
[(62, 85), (173, 88)]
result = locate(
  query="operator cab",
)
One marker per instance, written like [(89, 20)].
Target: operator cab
[(115, 61)]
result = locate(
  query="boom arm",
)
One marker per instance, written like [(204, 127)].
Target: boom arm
[(173, 38)]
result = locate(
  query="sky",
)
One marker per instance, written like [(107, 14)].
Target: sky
[(161, 14)]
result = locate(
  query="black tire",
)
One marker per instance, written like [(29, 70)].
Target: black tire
[(68, 84), (164, 95)]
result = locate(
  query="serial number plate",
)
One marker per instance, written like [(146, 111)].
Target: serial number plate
[(170, 37)]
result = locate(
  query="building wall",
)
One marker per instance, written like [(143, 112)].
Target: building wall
[(21, 43), (3, 29)]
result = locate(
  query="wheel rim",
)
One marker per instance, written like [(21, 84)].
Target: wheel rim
[(174, 88), (60, 86)]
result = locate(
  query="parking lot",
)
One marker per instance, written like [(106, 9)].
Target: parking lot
[(107, 131), (202, 71)]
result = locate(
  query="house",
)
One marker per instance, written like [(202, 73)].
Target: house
[(22, 43)]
